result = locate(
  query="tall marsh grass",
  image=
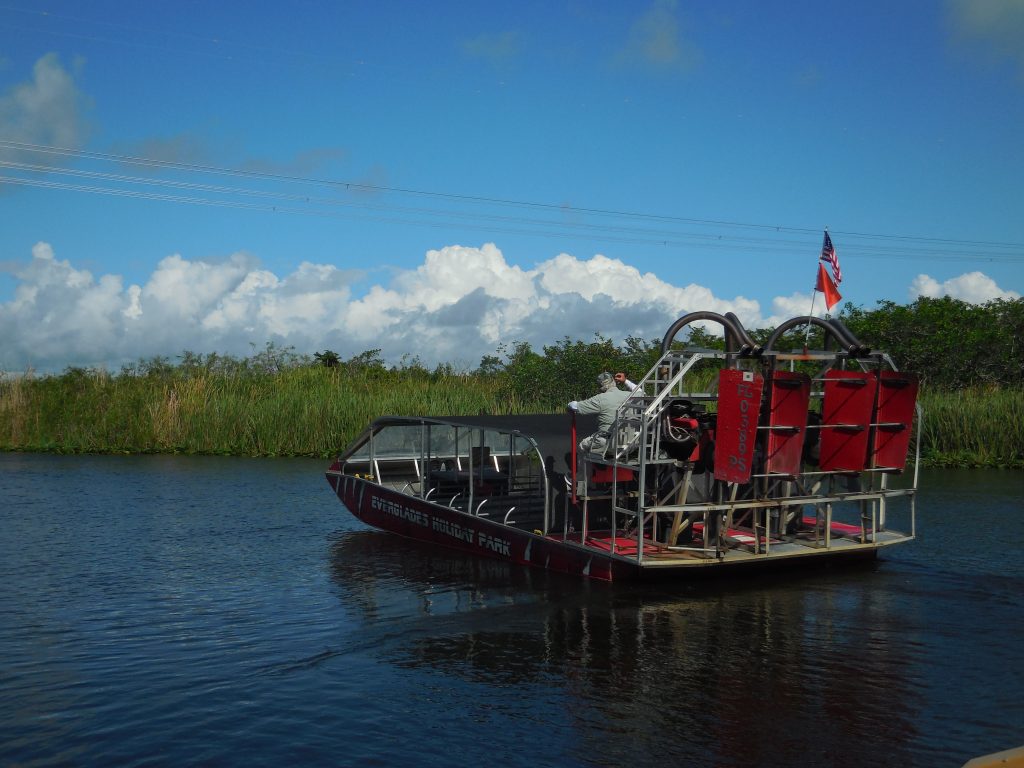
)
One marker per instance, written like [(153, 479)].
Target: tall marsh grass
[(978, 426), (308, 411), (316, 411)]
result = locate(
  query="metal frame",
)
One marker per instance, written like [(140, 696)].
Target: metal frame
[(636, 444)]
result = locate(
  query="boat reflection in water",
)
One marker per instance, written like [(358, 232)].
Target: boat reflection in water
[(765, 671)]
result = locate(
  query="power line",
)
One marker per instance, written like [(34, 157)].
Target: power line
[(721, 243), (650, 235), (635, 227), (362, 186)]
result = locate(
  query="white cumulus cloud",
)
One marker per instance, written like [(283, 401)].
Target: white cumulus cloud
[(972, 287), (459, 304)]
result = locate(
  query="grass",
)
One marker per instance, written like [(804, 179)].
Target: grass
[(316, 411), (977, 427), (306, 411)]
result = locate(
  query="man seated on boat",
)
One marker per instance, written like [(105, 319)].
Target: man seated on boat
[(605, 404)]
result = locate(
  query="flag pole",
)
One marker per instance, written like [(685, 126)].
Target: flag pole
[(807, 333), (814, 295)]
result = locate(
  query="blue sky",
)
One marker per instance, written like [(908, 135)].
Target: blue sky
[(435, 179)]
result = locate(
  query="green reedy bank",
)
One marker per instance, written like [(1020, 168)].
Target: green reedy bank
[(974, 427), (305, 411), (278, 403), (315, 411)]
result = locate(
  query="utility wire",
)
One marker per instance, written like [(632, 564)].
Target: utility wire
[(648, 236), (362, 186), (645, 235), (710, 242), (638, 227)]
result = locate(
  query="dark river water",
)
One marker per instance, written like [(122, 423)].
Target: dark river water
[(219, 611)]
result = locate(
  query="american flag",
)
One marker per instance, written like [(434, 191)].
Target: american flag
[(828, 253)]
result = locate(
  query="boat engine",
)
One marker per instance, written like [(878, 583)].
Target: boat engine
[(684, 429)]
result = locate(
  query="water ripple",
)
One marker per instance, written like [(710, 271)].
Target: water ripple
[(175, 610)]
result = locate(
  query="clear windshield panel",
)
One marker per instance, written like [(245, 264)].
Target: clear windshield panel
[(525, 466), (456, 447), (398, 441), (447, 442), (492, 448), (469, 446)]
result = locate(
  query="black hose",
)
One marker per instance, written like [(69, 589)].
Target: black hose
[(850, 344), (732, 332), (755, 348), (849, 338)]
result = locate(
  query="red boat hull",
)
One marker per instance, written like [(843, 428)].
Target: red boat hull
[(415, 518)]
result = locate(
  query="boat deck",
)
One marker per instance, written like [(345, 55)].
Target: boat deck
[(740, 545)]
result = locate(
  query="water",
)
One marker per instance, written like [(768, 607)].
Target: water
[(216, 611)]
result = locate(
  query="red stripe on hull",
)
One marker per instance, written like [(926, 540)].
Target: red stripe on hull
[(417, 519)]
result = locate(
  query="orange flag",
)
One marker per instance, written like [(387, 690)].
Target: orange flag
[(827, 287)]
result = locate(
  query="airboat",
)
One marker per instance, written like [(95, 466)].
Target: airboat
[(719, 460)]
